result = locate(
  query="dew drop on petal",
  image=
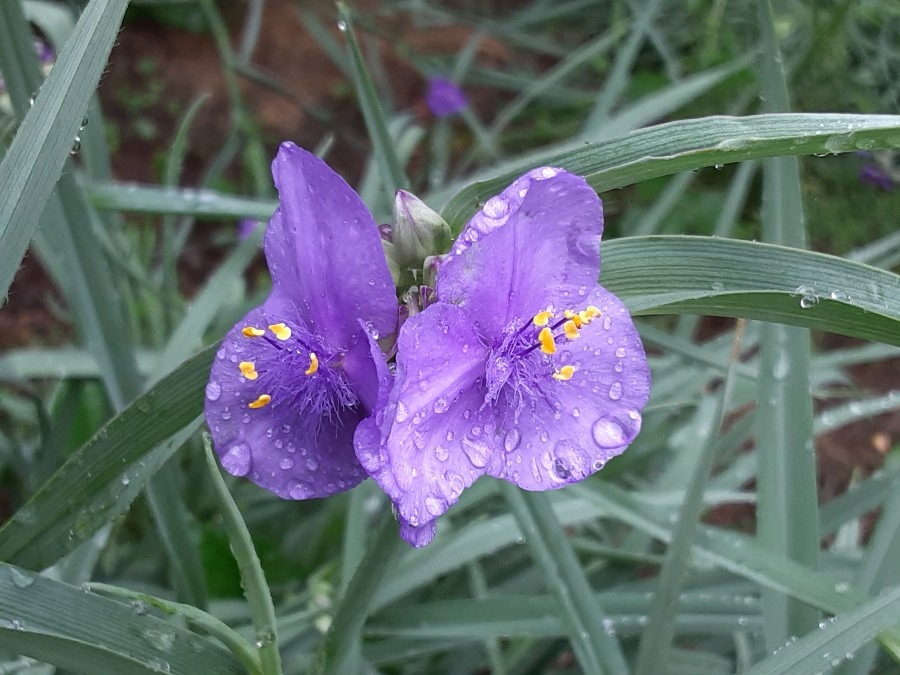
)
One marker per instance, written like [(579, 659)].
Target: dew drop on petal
[(478, 452), (312, 464), (237, 460), (615, 391), (297, 491), (226, 414), (441, 453), (607, 322), (213, 391), (608, 433), (402, 412), (511, 440), (434, 506), (620, 352), (598, 464), (441, 405), (286, 463)]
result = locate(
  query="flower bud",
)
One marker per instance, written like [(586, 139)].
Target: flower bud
[(418, 232)]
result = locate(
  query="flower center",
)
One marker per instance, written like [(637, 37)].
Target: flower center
[(289, 367), (520, 369)]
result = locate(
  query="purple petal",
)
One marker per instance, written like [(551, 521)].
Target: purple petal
[(444, 97), (547, 253), (418, 536), (324, 251), (300, 444), (433, 437), (595, 414)]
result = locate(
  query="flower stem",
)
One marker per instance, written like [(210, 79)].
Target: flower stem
[(262, 611), (341, 644)]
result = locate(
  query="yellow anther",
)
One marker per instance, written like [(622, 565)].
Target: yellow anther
[(250, 331), (282, 332), (265, 399), (576, 318), (542, 318), (584, 318), (548, 344), (564, 373), (313, 364), (593, 311), (248, 370), (570, 328)]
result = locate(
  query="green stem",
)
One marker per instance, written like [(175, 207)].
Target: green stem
[(597, 650), (259, 599), (341, 645)]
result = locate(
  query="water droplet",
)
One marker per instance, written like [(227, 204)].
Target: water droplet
[(342, 26), (298, 491), (615, 391), (620, 352), (19, 578), (495, 207), (226, 414), (840, 296), (441, 453), (286, 463), (237, 460), (139, 607), (402, 412), (511, 440), (560, 471), (434, 506), (608, 433), (161, 638), (576, 412), (213, 391), (76, 146), (312, 464), (598, 464), (719, 167), (808, 297), (478, 452), (441, 405)]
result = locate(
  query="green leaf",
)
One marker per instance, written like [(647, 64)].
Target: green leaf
[(821, 650), (78, 498), (725, 277), (41, 147), (87, 633), (691, 144)]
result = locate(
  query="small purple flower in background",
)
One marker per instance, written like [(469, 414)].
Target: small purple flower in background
[(296, 375), (46, 55), (444, 97), (876, 176), (524, 369)]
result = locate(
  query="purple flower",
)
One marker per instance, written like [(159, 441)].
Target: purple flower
[(877, 176), (296, 375), (525, 368), (444, 97)]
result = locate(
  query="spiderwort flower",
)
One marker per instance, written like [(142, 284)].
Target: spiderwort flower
[(524, 369), (444, 97), (296, 375)]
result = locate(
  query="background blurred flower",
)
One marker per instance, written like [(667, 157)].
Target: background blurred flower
[(877, 176), (444, 97), (246, 227)]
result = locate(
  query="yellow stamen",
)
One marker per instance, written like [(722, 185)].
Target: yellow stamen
[(571, 330), (542, 318), (584, 318), (265, 399), (565, 373), (282, 332), (248, 370), (250, 331), (576, 318), (548, 344), (313, 364), (593, 311)]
